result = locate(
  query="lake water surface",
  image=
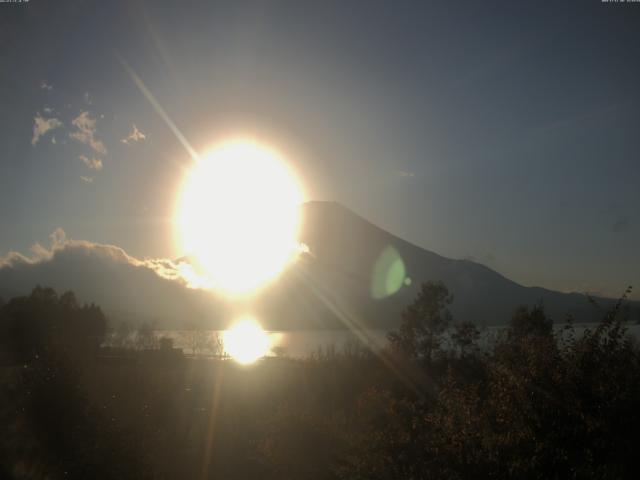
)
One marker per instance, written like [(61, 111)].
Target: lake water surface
[(303, 343)]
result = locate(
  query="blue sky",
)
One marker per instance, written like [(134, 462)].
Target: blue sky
[(506, 132)]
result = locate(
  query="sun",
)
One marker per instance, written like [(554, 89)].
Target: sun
[(238, 215), (246, 341)]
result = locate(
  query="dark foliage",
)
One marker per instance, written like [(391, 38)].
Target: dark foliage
[(44, 321), (424, 322), (535, 403), (545, 405), (52, 430)]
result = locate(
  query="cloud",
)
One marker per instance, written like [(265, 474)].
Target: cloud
[(45, 86), (86, 132), (126, 287), (92, 163), (58, 238), (133, 289), (135, 136), (621, 225), (60, 243), (86, 179), (43, 125), (405, 174), (39, 253)]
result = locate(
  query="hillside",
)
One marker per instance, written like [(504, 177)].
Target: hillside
[(354, 275), (350, 255)]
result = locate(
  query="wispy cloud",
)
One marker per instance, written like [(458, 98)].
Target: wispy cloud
[(86, 132), (39, 253), (405, 174), (86, 179), (43, 125), (92, 163), (45, 86), (61, 244), (106, 274), (135, 136)]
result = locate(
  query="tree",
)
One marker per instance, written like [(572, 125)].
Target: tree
[(198, 340), (146, 337), (44, 321), (424, 322), (50, 423), (465, 336), (546, 408), (122, 336), (530, 323), (216, 345)]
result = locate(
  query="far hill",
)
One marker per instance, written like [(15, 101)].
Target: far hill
[(357, 267), (355, 274)]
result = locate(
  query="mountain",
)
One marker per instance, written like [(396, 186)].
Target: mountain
[(127, 289), (377, 274), (353, 275)]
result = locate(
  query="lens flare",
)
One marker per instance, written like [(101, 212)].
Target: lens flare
[(389, 274), (246, 341)]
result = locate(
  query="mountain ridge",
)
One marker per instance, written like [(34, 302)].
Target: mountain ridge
[(355, 275), (480, 293)]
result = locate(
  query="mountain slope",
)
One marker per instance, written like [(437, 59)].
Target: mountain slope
[(355, 275), (347, 251)]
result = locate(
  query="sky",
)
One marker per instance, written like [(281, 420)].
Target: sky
[(502, 132)]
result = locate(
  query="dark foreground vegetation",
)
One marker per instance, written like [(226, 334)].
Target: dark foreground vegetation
[(538, 403)]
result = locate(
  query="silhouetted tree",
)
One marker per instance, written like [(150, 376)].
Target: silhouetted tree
[(145, 338), (43, 321), (537, 403), (198, 339), (216, 345), (528, 323), (424, 322), (51, 429), (122, 336), (465, 337)]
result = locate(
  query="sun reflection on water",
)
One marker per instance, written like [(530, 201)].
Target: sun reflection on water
[(246, 341)]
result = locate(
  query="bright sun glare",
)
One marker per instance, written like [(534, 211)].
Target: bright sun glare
[(238, 215), (246, 342)]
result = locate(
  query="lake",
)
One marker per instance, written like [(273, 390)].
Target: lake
[(302, 343)]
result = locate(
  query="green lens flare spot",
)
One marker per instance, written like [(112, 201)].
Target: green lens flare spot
[(389, 274)]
